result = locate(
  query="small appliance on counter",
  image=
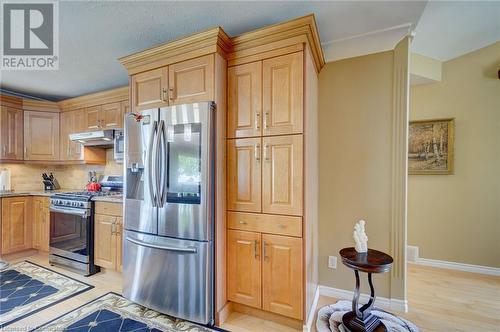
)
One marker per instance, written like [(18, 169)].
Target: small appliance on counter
[(5, 180), (50, 182)]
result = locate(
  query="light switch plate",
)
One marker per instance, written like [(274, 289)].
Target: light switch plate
[(332, 262)]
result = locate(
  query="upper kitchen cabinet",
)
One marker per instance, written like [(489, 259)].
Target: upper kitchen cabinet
[(282, 93), (244, 117), (149, 89), (191, 81), (41, 135), (93, 118), (112, 115), (11, 134)]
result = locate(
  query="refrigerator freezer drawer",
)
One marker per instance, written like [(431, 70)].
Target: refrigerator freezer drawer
[(169, 275)]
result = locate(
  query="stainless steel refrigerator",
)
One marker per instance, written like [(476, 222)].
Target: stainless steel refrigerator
[(168, 247)]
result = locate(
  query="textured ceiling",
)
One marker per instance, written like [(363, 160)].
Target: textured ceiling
[(94, 34)]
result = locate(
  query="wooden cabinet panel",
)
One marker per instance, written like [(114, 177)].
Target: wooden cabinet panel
[(265, 223), (149, 89), (80, 124), (93, 118), (282, 177), (245, 100), (16, 224), (192, 80), (66, 126), (282, 275), (11, 133), (244, 267), (105, 241), (244, 174), (125, 105), (112, 115), (113, 209), (283, 94), (119, 244), (41, 136), (41, 228)]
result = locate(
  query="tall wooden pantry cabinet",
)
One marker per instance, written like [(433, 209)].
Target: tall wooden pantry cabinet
[(271, 167)]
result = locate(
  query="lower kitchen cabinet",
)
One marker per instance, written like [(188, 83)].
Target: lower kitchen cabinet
[(244, 266), (282, 275), (41, 223), (265, 271), (108, 236), (16, 224)]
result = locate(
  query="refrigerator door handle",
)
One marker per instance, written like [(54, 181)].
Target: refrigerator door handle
[(190, 250), (162, 195), (158, 164), (150, 165)]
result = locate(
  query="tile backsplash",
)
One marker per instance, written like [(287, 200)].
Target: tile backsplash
[(29, 176)]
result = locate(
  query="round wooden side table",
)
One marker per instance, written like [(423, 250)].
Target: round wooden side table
[(373, 261)]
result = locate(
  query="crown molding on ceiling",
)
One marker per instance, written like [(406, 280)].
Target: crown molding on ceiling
[(367, 43)]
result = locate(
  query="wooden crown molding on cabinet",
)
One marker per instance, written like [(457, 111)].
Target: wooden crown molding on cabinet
[(40, 106), (281, 35), (214, 40), (11, 101), (98, 98)]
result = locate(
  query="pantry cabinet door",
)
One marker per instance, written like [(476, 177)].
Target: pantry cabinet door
[(244, 174), (112, 115), (245, 100), (282, 177), (17, 224), (244, 268), (105, 241), (282, 284), (283, 95), (191, 81), (41, 136), (149, 89), (11, 133)]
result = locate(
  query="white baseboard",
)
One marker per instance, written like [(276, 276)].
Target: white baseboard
[(414, 258), (312, 312), (383, 302), (493, 271)]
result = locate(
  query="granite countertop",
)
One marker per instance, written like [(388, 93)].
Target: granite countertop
[(109, 199), (39, 192)]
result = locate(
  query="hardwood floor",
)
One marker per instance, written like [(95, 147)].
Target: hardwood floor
[(447, 300), (439, 300)]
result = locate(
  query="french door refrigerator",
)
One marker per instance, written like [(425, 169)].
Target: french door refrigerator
[(168, 247)]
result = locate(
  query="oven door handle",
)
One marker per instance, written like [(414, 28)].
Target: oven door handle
[(156, 246), (84, 213)]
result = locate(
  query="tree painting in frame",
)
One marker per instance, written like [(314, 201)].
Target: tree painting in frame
[(430, 146)]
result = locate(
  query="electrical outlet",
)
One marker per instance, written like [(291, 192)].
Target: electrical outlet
[(332, 262)]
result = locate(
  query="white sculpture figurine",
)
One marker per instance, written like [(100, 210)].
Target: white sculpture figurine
[(360, 237)]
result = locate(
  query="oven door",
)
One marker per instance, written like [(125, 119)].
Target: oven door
[(69, 228)]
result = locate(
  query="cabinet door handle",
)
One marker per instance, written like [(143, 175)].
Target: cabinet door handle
[(4, 150), (257, 121), (171, 93), (164, 95), (266, 157), (264, 247), (255, 250), (266, 120), (113, 228), (243, 222), (257, 152), (26, 151)]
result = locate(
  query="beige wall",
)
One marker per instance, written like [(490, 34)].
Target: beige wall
[(355, 126), (29, 176), (456, 217)]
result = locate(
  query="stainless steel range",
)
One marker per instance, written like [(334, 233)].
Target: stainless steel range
[(72, 229)]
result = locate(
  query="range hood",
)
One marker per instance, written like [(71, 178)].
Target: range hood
[(103, 138)]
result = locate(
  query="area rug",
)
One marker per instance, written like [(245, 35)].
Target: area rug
[(112, 312), (26, 288), (330, 319)]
